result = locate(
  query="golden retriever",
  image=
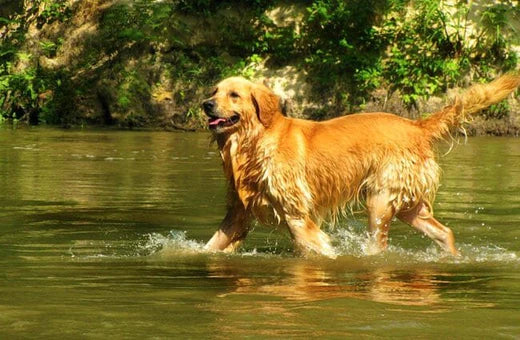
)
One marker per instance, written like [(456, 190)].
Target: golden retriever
[(296, 173)]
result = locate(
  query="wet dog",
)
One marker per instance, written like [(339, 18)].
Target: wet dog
[(296, 173)]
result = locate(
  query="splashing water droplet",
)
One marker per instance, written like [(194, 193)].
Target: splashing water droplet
[(176, 241)]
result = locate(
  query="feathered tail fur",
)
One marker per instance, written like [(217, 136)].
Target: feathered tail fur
[(474, 99)]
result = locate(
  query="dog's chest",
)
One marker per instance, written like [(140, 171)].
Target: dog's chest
[(273, 190), (256, 188), (269, 183)]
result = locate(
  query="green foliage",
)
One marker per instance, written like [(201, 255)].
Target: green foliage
[(25, 87), (497, 111), (340, 46), (347, 48), (54, 10), (50, 48), (430, 51), (351, 48), (132, 88), (58, 107), (18, 92)]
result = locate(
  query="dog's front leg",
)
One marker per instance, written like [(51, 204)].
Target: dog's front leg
[(309, 238), (233, 229)]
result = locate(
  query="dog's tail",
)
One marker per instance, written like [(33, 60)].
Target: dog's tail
[(476, 98)]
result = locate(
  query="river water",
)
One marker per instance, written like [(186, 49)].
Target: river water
[(101, 235)]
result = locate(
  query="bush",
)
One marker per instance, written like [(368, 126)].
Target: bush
[(347, 48), (24, 85), (430, 51)]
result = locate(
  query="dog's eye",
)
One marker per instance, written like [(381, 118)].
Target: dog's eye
[(213, 92), (234, 95)]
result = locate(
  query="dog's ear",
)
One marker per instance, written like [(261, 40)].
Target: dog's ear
[(266, 103)]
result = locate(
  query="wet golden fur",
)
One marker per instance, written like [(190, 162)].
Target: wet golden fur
[(295, 172)]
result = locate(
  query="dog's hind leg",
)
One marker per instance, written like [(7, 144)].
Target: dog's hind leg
[(421, 218), (380, 214), (309, 238)]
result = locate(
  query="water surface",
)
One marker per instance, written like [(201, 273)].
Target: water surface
[(101, 235)]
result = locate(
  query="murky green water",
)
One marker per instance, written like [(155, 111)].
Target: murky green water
[(100, 236)]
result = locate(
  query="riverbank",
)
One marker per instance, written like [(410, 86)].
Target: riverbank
[(150, 63), (477, 127)]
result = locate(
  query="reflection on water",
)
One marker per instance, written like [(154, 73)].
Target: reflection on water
[(309, 279), (397, 277), (107, 228), (307, 282)]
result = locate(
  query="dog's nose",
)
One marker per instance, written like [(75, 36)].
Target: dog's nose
[(208, 106)]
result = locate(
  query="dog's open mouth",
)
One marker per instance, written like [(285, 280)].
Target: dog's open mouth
[(219, 122)]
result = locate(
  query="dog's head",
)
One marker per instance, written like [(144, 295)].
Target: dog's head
[(236, 102)]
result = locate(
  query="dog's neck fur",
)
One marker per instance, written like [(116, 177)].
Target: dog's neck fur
[(244, 157)]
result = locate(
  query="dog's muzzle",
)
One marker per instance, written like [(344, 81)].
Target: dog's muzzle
[(214, 121), (209, 107)]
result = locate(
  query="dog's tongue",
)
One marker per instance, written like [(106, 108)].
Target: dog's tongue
[(216, 121)]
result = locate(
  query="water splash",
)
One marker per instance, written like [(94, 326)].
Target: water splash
[(347, 242), (351, 242), (175, 243)]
